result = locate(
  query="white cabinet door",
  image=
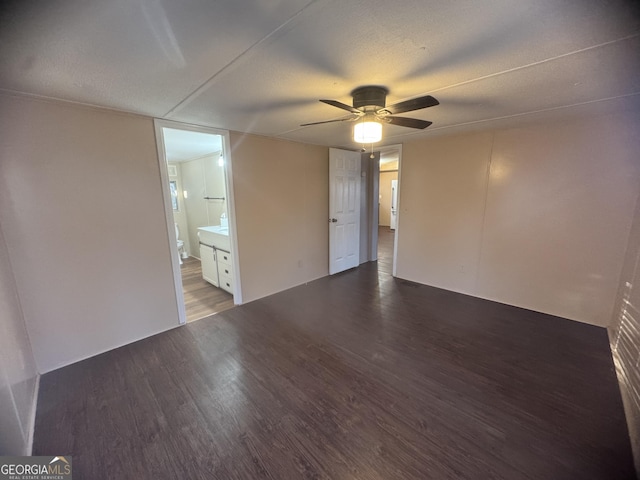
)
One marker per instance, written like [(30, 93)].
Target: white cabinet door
[(209, 264), (344, 210)]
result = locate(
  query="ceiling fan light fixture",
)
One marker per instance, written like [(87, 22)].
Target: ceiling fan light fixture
[(368, 131), (369, 111)]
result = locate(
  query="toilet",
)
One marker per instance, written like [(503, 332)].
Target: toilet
[(181, 251)]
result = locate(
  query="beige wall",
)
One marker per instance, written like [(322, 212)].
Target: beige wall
[(624, 333), (17, 366), (281, 201), (384, 214), (82, 212), (536, 217), (393, 165)]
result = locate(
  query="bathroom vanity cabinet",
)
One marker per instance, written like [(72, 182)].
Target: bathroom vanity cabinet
[(209, 264), (225, 272), (216, 257)]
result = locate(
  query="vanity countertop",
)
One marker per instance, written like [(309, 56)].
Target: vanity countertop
[(215, 236), (219, 229)]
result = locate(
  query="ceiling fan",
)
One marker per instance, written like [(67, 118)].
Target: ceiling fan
[(369, 106)]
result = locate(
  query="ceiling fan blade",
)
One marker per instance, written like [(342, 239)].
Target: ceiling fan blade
[(350, 119), (407, 122), (413, 104), (343, 106)]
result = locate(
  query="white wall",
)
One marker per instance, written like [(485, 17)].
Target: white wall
[(82, 211), (180, 216), (215, 187), (18, 374), (195, 205), (203, 177), (536, 217)]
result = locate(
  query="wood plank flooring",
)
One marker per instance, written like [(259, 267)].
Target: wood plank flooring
[(386, 238), (200, 297), (356, 376)]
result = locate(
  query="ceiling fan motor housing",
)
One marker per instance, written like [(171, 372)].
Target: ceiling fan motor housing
[(370, 96)]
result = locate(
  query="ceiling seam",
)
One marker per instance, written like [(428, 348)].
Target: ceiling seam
[(524, 113), (210, 80), (301, 127), (539, 62), (47, 98)]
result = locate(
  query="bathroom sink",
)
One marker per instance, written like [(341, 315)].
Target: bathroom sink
[(215, 236), (216, 229)]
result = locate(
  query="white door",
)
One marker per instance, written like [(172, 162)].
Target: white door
[(394, 204), (344, 210)]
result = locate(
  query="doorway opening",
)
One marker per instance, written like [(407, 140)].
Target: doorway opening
[(194, 165), (387, 208), (379, 207)]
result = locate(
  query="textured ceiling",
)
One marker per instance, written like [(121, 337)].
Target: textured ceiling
[(260, 66)]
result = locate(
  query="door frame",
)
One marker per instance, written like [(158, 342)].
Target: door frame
[(159, 124)]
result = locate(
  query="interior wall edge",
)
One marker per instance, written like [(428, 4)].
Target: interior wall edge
[(63, 364), (310, 280), (624, 336), (476, 280), (19, 371), (503, 302), (60, 101), (32, 417)]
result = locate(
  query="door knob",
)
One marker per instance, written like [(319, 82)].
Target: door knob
[(333, 220)]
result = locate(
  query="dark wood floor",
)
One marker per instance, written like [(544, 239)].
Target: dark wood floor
[(386, 238), (201, 299), (348, 377)]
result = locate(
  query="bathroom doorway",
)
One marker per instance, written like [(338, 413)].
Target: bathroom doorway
[(195, 167)]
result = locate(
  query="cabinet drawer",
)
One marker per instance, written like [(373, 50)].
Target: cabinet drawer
[(224, 257), (224, 269), (226, 282)]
